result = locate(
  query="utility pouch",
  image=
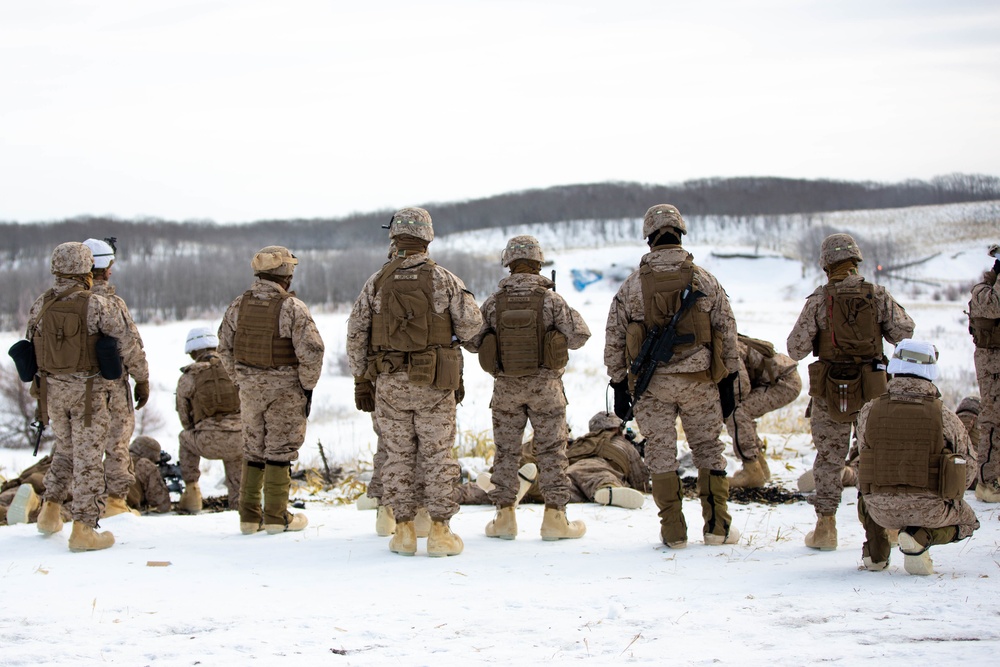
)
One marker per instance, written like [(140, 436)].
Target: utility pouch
[(23, 354), (519, 342), (389, 362), (866, 471), (422, 368), (488, 354), (844, 393), (448, 370), (555, 350), (874, 381), (818, 370), (635, 336), (108, 359), (951, 478)]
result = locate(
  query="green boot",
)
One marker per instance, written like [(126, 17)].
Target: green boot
[(713, 491), (669, 496), (251, 515), (277, 518)]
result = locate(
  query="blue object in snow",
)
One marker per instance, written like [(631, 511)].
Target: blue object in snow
[(584, 277)]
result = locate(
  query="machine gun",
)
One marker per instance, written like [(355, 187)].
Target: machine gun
[(640, 446), (659, 347), (171, 473)]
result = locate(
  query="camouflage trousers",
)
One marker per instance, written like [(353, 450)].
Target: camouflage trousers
[(742, 424), (226, 446), (375, 489), (832, 441), (77, 467), (117, 461), (543, 402), (697, 404), (273, 411), (589, 475), (988, 447), (417, 423)]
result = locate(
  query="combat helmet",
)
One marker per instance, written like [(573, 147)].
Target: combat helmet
[(411, 221), (838, 247), (604, 421), (104, 254), (969, 404), (663, 216), (522, 247), (71, 259), (914, 357), (274, 259), (145, 447), (200, 338)]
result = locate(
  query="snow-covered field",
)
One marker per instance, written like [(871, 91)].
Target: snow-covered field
[(334, 594)]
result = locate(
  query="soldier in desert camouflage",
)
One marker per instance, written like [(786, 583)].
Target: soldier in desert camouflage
[(271, 349), (984, 324), (404, 334), (149, 492)]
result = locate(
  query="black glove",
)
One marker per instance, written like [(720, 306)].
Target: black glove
[(309, 400), (364, 395), (727, 394), (460, 392), (623, 399), (996, 266)]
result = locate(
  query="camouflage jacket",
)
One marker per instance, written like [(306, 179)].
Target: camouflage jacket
[(149, 490), (186, 388), (107, 290)]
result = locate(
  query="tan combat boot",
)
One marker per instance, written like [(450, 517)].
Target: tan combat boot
[(190, 502), (115, 505), (366, 503), (668, 496), (385, 521), (277, 518), (404, 541), (713, 491), (50, 518), (807, 482), (988, 492), (916, 557), (824, 537), (24, 503), (85, 538), (422, 522), (526, 476), (619, 496), (503, 525), (751, 476), (442, 542), (555, 526), (251, 513)]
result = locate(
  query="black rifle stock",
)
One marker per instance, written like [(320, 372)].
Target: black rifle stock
[(659, 347)]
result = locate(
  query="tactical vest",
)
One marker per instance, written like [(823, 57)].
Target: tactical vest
[(598, 445), (407, 321), (661, 298), (985, 332), (853, 334), (257, 341), (768, 372), (62, 342), (520, 331), (905, 436), (214, 393)]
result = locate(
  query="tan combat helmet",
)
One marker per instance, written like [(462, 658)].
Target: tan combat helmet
[(145, 447), (969, 404), (412, 221), (522, 247), (838, 247), (663, 216), (71, 259), (274, 259), (604, 421)]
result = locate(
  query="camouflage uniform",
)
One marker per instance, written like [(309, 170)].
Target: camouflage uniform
[(273, 400), (968, 412), (149, 491), (415, 421), (79, 407), (985, 303), (539, 397), (832, 438), (218, 436), (764, 385)]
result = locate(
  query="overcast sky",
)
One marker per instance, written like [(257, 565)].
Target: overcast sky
[(251, 109)]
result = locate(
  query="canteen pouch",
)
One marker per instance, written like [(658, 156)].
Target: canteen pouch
[(422, 368), (818, 371), (108, 359), (874, 381), (555, 350), (448, 370), (488, 354), (23, 354), (951, 478)]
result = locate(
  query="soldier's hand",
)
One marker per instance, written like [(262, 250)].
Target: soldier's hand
[(364, 395), (309, 400), (623, 399), (460, 392), (141, 393), (996, 266)]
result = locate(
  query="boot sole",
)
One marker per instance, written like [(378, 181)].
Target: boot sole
[(917, 564), (441, 554), (18, 511), (248, 528), (403, 553), (502, 537)]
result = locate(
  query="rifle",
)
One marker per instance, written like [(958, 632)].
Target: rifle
[(171, 473), (39, 429), (659, 347), (553, 280)]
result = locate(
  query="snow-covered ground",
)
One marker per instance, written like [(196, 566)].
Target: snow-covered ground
[(334, 594)]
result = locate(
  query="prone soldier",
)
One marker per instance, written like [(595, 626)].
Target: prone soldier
[(149, 492)]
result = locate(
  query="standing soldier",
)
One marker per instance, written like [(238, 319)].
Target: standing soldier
[(404, 331), (527, 331), (271, 349), (208, 404), (843, 324), (668, 288), (916, 462), (117, 462), (984, 324), (768, 380), (80, 343)]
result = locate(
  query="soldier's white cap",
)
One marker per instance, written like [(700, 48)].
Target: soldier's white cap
[(914, 357), (200, 338), (104, 254)]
